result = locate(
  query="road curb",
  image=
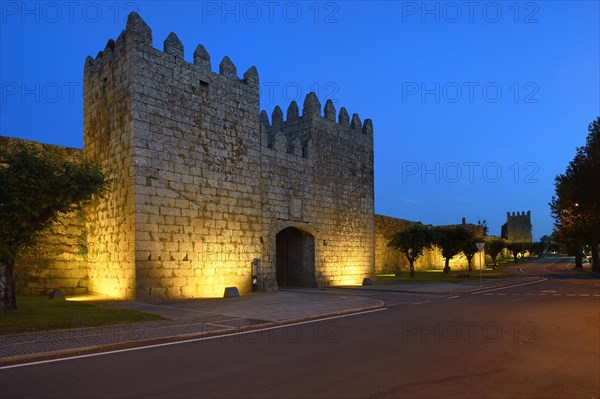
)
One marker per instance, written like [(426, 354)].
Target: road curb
[(584, 271), (464, 292), (99, 349)]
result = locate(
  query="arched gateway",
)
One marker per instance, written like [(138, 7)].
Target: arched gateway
[(295, 264)]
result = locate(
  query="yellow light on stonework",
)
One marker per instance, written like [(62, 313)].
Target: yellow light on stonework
[(111, 288), (213, 291), (352, 275), (88, 298)]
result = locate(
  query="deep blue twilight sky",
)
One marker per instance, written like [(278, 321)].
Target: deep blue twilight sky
[(476, 106)]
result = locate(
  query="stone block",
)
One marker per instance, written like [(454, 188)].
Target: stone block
[(56, 294), (231, 292)]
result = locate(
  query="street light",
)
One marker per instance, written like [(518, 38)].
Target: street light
[(480, 246)]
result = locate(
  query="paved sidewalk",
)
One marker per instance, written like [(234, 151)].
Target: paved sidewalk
[(185, 319), (206, 317)]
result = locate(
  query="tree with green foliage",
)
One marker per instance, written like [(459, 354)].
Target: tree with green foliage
[(469, 249), (412, 242), (516, 248), (576, 205), (555, 246), (493, 248), (451, 241), (483, 225), (539, 248), (527, 250), (545, 242), (36, 187)]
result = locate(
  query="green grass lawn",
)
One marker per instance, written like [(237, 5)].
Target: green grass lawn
[(38, 313), (440, 276)]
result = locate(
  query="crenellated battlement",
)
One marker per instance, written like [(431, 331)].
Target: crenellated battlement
[(302, 128), (517, 227), (518, 215), (312, 109), (138, 35)]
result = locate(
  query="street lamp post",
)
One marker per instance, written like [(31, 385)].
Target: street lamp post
[(480, 246)]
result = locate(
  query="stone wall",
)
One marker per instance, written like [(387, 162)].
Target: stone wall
[(389, 260), (109, 90), (58, 260), (202, 184)]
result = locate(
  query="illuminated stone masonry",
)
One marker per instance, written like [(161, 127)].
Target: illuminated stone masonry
[(207, 190)]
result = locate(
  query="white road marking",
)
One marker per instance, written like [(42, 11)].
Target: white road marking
[(520, 269), (452, 297), (419, 303), (186, 341), (543, 294), (511, 286)]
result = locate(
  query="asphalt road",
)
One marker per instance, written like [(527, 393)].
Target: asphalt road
[(539, 340)]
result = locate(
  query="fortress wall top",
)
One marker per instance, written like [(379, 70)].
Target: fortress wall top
[(295, 127), (138, 35)]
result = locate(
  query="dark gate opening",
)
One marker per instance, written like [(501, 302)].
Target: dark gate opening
[(295, 263)]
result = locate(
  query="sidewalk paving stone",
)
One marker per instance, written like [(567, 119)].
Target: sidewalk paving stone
[(184, 318), (203, 317)]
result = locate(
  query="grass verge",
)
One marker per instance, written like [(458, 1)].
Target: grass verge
[(441, 277), (38, 313)]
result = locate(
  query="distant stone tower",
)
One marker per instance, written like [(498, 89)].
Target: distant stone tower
[(517, 227)]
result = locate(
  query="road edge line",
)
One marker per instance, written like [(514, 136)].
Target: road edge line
[(510, 286), (100, 350)]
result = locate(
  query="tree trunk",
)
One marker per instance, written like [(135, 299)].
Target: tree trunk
[(447, 266), (595, 257), (578, 259), (8, 300), (469, 263), (411, 264), (494, 260), (516, 256)]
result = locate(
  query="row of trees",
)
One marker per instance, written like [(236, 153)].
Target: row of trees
[(540, 248), (576, 203), (453, 240)]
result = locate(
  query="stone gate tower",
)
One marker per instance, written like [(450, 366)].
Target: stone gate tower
[(517, 227), (206, 190)]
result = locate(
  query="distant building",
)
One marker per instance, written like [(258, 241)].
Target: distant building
[(517, 227)]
